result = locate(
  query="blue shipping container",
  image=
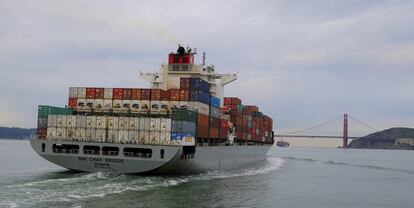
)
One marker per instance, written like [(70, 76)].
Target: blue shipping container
[(215, 102), (199, 84), (200, 96)]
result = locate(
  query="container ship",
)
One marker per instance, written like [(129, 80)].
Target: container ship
[(182, 124)]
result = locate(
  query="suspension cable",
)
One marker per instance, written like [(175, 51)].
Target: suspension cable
[(314, 127), (362, 123)]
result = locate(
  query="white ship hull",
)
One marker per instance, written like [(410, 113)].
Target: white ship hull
[(172, 161)]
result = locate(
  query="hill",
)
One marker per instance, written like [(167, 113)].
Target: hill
[(15, 133), (384, 139)]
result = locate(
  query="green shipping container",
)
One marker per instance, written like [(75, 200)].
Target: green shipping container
[(184, 115), (240, 107), (44, 111)]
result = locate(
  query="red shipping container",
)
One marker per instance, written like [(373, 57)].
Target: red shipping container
[(90, 93), (202, 120), (232, 101), (127, 94), (223, 133), (185, 83), (117, 93), (214, 133), (42, 133), (155, 94), (224, 123), (174, 94), (145, 94), (184, 95), (136, 94), (73, 103), (165, 95), (99, 93)]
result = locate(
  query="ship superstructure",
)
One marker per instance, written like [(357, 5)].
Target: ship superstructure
[(182, 124)]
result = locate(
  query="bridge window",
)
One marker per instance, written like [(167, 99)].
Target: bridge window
[(112, 151), (65, 148), (91, 150), (137, 152)]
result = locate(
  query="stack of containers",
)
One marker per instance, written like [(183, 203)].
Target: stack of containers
[(44, 124), (183, 124), (250, 124)]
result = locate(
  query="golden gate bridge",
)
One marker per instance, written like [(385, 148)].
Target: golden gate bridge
[(345, 130)]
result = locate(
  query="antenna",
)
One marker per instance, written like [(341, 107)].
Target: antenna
[(204, 58)]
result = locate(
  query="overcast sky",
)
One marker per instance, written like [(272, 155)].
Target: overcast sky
[(301, 62)]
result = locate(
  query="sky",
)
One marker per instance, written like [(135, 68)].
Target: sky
[(302, 62)]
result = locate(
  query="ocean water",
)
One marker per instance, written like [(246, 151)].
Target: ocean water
[(289, 177)]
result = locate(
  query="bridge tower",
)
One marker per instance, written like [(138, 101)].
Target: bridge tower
[(345, 134)]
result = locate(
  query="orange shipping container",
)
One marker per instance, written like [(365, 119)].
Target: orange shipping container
[(136, 94), (202, 131), (145, 94), (127, 94), (165, 95), (155, 94), (214, 133), (174, 94), (184, 95)]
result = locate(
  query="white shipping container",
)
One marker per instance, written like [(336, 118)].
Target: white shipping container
[(51, 120), (51, 133), (107, 105), (122, 136), (174, 104), (123, 123), (90, 104), (60, 133), (108, 93), (73, 92), (81, 92), (147, 136), (90, 135), (133, 136), (112, 136), (80, 121), (152, 138), (81, 105), (80, 134), (141, 137), (203, 108), (135, 106), (70, 134), (184, 105), (71, 121), (155, 124), (165, 137), (164, 106), (91, 122), (125, 105), (100, 135), (144, 106), (61, 121), (99, 104), (133, 123), (117, 105), (113, 122), (165, 124), (144, 124), (100, 122), (155, 106)]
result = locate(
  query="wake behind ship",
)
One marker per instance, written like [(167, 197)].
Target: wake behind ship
[(182, 124)]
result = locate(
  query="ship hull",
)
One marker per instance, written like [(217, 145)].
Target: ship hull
[(205, 158)]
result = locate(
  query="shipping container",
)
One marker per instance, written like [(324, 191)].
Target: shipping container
[(183, 114), (117, 93), (200, 96), (113, 122), (145, 94), (214, 133), (135, 106), (112, 135), (100, 135), (185, 83), (101, 122), (133, 123), (132, 137), (144, 124), (44, 111), (107, 105), (165, 95), (174, 105), (60, 133), (51, 133), (164, 107), (202, 126), (90, 93), (155, 106), (215, 101), (215, 112), (108, 92), (80, 121), (91, 122), (125, 106), (51, 121), (123, 123), (136, 94), (73, 103), (73, 92), (117, 105), (184, 105), (99, 93), (81, 106), (145, 106), (166, 124), (232, 101), (199, 107), (70, 134), (71, 121), (80, 134), (155, 124), (61, 121), (99, 105), (184, 95), (90, 104), (81, 92), (155, 94), (174, 94), (122, 136), (199, 84), (126, 94)]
